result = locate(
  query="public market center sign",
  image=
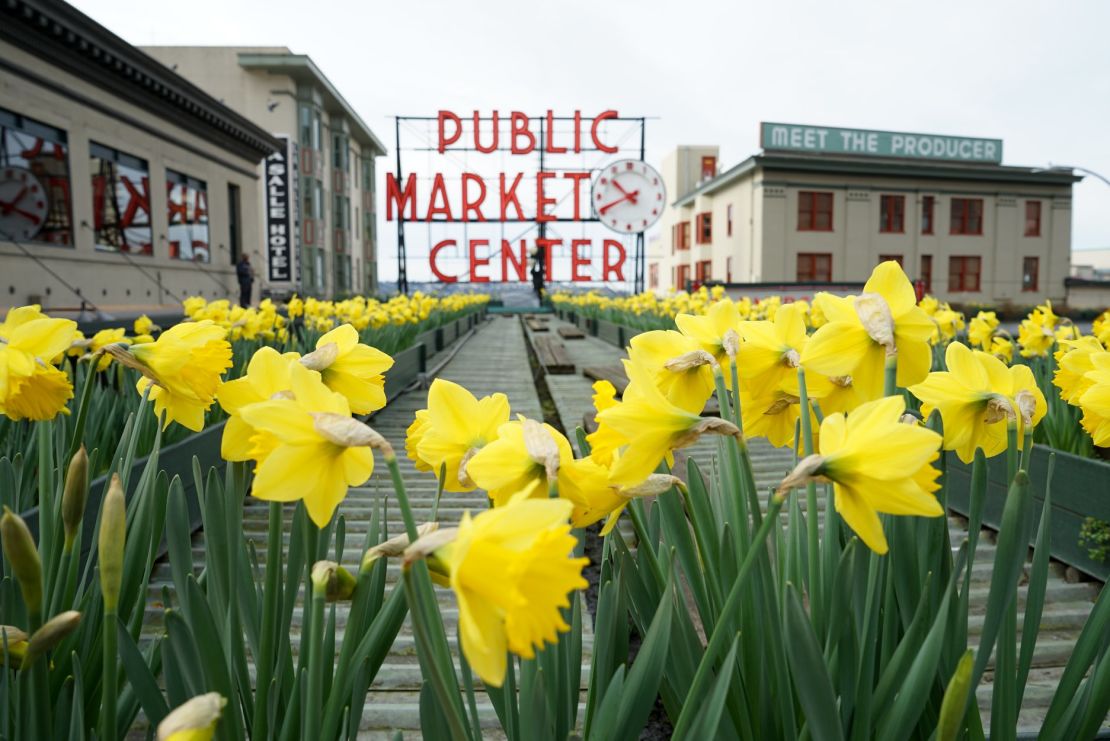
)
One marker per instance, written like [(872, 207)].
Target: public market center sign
[(780, 137)]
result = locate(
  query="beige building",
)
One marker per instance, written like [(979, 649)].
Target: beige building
[(334, 244), (122, 185), (970, 230)]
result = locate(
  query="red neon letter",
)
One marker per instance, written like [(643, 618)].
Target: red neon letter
[(468, 205), (394, 195), (578, 178), (576, 261), (509, 196), (439, 190), (577, 132), (542, 201), (476, 261), (549, 145), (477, 130), (508, 258), (432, 261), (548, 247), (445, 141), (519, 126), (593, 131), (615, 267)]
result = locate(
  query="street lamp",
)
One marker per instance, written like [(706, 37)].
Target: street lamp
[(1072, 168)]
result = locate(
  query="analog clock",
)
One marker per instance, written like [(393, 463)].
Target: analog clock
[(23, 204), (628, 196)]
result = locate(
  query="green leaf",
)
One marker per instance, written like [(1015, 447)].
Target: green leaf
[(1086, 649), (642, 685), (605, 719), (1038, 584), (811, 675), (139, 675), (702, 721), (433, 723), (954, 706)]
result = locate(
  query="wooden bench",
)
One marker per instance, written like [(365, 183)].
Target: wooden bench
[(552, 356), (536, 325), (614, 374), (571, 333)]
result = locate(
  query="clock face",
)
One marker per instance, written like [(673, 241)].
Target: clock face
[(23, 204), (628, 196)]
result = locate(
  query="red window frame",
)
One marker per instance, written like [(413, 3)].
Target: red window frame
[(684, 235), (815, 211), (728, 269), (964, 273), (926, 276), (703, 271), (892, 214), (814, 267), (728, 220), (653, 275), (683, 277), (967, 216), (1032, 218), (896, 258), (1030, 274), (928, 214), (703, 234), (708, 167)]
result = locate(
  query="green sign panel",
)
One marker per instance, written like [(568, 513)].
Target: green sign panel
[(780, 137)]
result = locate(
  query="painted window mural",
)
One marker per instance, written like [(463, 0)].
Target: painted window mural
[(34, 181), (188, 217), (121, 201)]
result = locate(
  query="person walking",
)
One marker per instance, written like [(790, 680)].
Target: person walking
[(539, 260), (245, 273)]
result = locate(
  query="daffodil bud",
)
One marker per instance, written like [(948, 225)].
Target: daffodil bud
[(17, 645), (395, 546), (113, 529), (653, 485), (23, 556), (51, 634), (689, 361), (194, 720), (74, 496), (706, 426), (428, 544), (336, 583), (954, 705), (808, 469)]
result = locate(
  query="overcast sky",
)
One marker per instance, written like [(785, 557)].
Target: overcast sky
[(1034, 74)]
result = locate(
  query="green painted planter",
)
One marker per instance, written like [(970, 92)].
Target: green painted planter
[(609, 332), (1080, 489), (407, 367)]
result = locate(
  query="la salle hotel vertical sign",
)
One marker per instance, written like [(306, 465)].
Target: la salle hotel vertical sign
[(499, 168), (279, 223)]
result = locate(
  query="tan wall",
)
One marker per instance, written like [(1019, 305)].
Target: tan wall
[(1089, 297), (107, 278)]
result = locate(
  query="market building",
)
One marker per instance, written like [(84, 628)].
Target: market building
[(329, 211), (122, 185), (823, 205)]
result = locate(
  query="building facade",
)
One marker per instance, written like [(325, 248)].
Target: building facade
[(970, 231), (122, 185), (334, 244)]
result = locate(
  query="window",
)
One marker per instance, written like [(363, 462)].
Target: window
[(892, 214), (311, 127), (34, 159), (342, 273), (814, 267), (683, 277), (234, 222), (728, 220), (963, 273), (705, 228), (814, 211), (888, 258), (1033, 220), (682, 235), (121, 201), (703, 271), (927, 273), (928, 206), (1030, 266), (708, 167), (339, 152), (188, 216), (367, 174), (967, 216), (728, 269), (653, 275)]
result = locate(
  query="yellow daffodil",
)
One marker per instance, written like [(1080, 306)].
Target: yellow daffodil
[(773, 416), (1095, 400), (710, 331), (977, 397), (653, 426), (681, 368), (453, 428), (1003, 349), (194, 720), (143, 325), (102, 339), (320, 450), (512, 570), (604, 441), (863, 330), (981, 329), (30, 386), (40, 396), (771, 350), (1036, 333), (182, 369), (948, 324), (1073, 365), (267, 377), (524, 461), (353, 369), (877, 464)]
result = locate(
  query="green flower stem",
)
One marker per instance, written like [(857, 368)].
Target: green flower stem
[(731, 469), (83, 406), (316, 661), (264, 662), (813, 541), (109, 684), (737, 417), (890, 374), (47, 515), (402, 496)]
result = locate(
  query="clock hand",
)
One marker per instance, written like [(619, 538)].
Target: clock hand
[(7, 206), (34, 218), (631, 196), (608, 206)]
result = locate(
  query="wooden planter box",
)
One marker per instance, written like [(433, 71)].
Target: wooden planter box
[(429, 340), (1080, 489), (407, 367), (610, 332)]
